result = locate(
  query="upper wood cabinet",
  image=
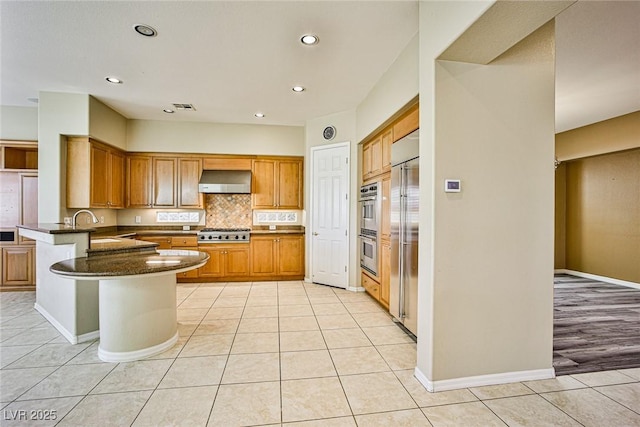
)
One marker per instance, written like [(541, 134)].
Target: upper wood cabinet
[(95, 174), (139, 181), (277, 183), (189, 172), (165, 172), (407, 123), (376, 155), (18, 155), (163, 181)]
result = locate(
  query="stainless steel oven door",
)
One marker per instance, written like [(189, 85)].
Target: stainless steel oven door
[(369, 254), (369, 215)]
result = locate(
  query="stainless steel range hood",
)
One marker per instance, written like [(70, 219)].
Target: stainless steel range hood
[(225, 182)]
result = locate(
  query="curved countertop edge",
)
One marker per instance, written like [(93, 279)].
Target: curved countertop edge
[(129, 265)]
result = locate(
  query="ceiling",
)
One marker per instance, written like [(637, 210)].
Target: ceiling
[(231, 59)]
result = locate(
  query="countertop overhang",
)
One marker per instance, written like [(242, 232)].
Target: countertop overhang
[(125, 265)]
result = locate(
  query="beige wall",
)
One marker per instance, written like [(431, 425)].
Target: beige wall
[(591, 195), (107, 125), (440, 24), (603, 215), (486, 254), (345, 124), (59, 114), (397, 87), (560, 245), (19, 123), (500, 227), (620, 133), (218, 138)]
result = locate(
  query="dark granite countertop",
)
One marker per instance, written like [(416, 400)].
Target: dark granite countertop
[(258, 232), (133, 231), (129, 264), (109, 246), (56, 228)]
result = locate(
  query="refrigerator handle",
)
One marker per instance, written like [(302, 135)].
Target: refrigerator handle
[(402, 243)]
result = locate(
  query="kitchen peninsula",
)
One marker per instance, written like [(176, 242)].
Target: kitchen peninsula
[(137, 296), (129, 271)]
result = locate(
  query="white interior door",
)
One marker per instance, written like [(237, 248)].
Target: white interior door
[(330, 215)]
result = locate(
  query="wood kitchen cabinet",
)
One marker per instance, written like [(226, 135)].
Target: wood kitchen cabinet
[(229, 261), (184, 242), (163, 181), (376, 155), (95, 174), (189, 172), (139, 174), (370, 285), (385, 273), (407, 123), (18, 266), (18, 205), (277, 183), (277, 256), (385, 211), (165, 170), (18, 155)]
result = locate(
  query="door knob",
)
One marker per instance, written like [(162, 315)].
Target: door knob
[(315, 234)]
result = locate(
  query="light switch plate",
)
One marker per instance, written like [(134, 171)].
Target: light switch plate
[(272, 227)]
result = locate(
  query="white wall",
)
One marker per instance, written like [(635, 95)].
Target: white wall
[(19, 123), (215, 138), (394, 90), (59, 114), (486, 254), (345, 124), (107, 125)]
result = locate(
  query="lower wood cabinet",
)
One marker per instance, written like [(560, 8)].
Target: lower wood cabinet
[(370, 285), (18, 267), (277, 256), (385, 272), (266, 257), (228, 261)]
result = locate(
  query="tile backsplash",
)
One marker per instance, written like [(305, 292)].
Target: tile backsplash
[(228, 210)]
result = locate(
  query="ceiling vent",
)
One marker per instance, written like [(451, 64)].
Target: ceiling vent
[(184, 107)]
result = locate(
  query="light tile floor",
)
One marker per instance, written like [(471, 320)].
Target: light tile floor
[(275, 353)]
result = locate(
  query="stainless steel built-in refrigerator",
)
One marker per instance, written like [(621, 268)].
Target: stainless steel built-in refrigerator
[(403, 298)]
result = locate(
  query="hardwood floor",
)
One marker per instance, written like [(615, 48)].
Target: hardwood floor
[(596, 326)]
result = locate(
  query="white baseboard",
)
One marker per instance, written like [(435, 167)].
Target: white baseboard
[(599, 278), (130, 356), (73, 339), (483, 380)]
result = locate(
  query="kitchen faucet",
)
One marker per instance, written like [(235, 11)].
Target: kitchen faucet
[(75, 215)]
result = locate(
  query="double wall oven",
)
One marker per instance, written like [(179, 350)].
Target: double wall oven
[(370, 210)]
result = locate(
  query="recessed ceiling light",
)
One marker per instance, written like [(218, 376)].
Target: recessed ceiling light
[(309, 39), (259, 115), (145, 30), (114, 80), (168, 111), (298, 89)]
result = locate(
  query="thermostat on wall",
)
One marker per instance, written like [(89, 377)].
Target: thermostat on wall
[(452, 186)]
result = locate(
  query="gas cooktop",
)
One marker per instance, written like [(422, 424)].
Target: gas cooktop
[(224, 235)]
